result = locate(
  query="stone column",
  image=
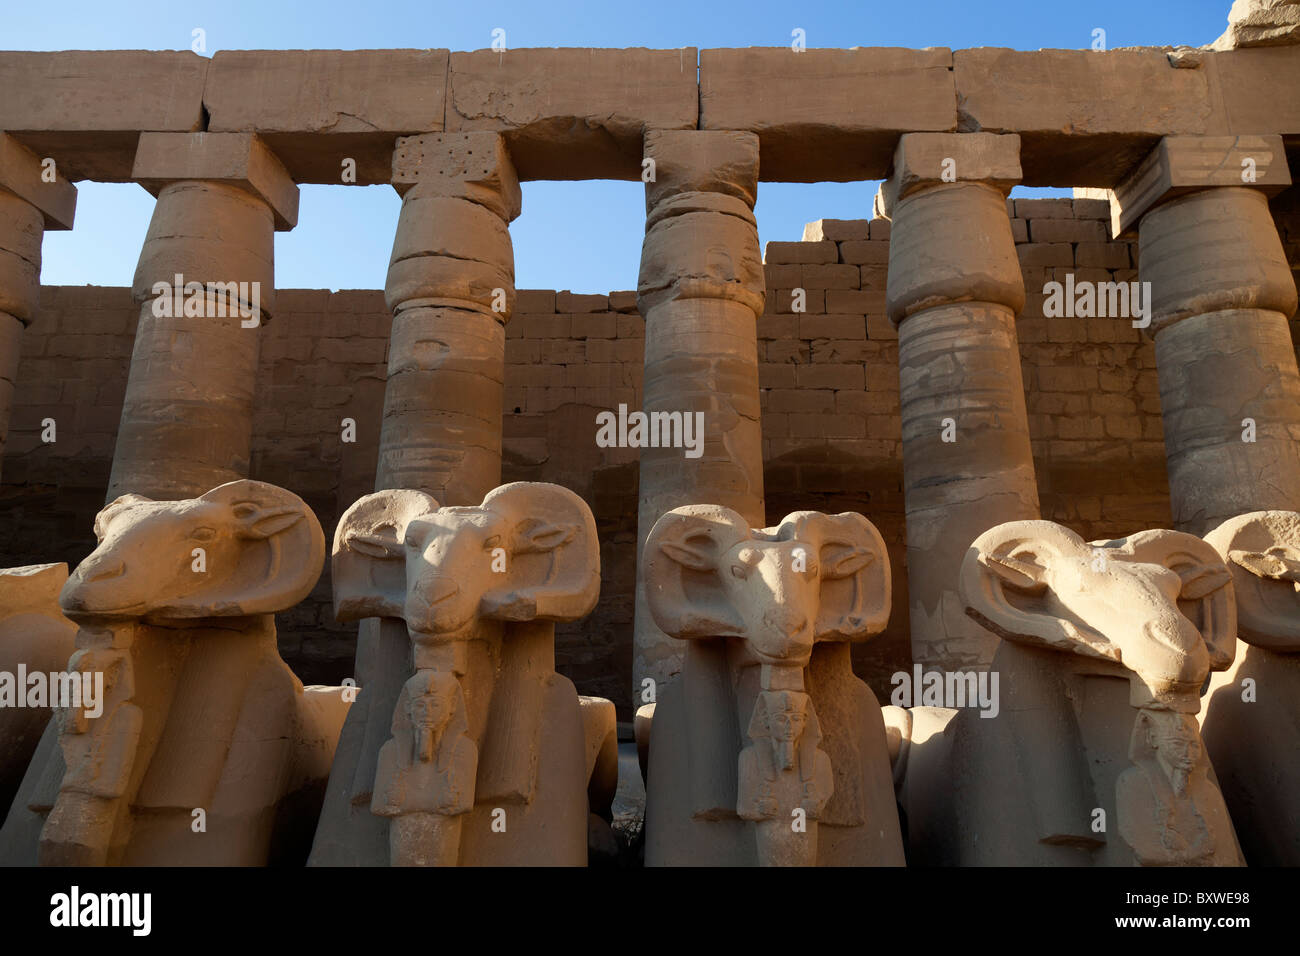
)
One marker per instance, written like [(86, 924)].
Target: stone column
[(954, 291), (205, 283), (700, 291), (451, 287), (1221, 293), (33, 198)]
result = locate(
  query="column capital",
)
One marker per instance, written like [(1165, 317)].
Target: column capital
[(1182, 164), (236, 159), (473, 165), (709, 161), (22, 174), (923, 160)]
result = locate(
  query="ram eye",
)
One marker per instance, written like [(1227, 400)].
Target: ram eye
[(492, 542), (740, 571), (203, 534)]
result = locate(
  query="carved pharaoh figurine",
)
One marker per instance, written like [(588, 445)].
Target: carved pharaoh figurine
[(1093, 756), (1251, 721), (206, 748), (488, 760), (767, 750), (35, 638)]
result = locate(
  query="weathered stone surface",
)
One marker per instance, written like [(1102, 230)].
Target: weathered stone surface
[(187, 416), (826, 114), (701, 280), (473, 166), (316, 108), (1213, 250), (197, 708), (1097, 652), (1183, 164), (86, 108), (1260, 23), (235, 159), (1249, 736), (21, 174), (573, 113), (22, 227), (479, 718), (1077, 111), (954, 289), (34, 635), (763, 720), (922, 160)]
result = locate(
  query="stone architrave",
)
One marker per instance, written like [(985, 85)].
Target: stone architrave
[(1221, 295), (33, 198), (487, 762), (1092, 756), (954, 291), (1251, 722), (197, 745), (451, 289), (701, 290), (205, 284), (765, 752), (35, 638)]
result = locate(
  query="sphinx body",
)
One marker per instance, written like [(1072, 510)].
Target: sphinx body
[(1093, 757), (35, 638), (1251, 721), (208, 750), (767, 750), (478, 752)]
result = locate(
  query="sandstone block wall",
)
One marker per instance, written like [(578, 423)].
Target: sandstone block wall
[(829, 380)]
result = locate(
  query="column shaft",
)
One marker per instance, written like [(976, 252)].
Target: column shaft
[(451, 288), (700, 291), (954, 290), (205, 283), (1222, 293), (33, 198)]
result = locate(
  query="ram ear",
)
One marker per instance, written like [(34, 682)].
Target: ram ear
[(1206, 597), (679, 571), (112, 510), (369, 561), (1006, 585), (553, 569)]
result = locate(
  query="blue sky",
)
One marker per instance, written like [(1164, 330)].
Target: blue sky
[(582, 236)]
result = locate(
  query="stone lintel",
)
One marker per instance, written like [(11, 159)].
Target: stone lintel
[(21, 174), (1184, 164), (237, 159), (930, 159), (469, 165), (715, 161)]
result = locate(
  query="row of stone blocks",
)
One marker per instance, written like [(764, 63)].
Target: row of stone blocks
[(822, 114), (192, 743)]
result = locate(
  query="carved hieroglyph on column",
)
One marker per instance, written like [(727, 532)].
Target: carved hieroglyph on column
[(954, 290), (767, 750), (701, 292), (487, 762), (30, 202), (1093, 757), (451, 289), (1221, 297), (1251, 723), (187, 418), (207, 750)]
